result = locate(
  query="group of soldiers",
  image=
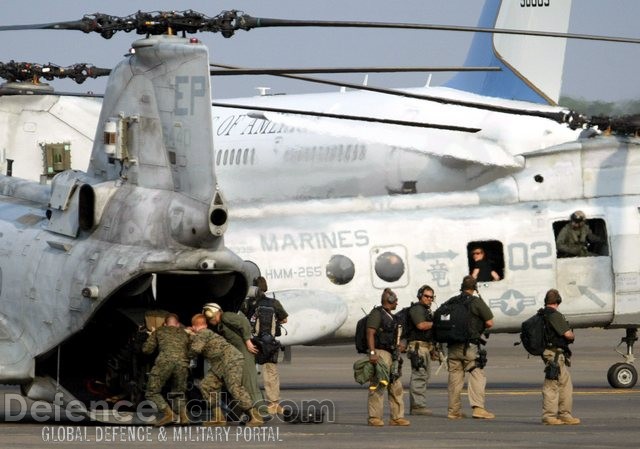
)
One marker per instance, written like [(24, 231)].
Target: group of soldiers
[(230, 352), (462, 358), (384, 344)]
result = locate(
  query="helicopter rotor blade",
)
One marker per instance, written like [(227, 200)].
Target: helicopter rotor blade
[(563, 117), (247, 23), (73, 25), (312, 70), (227, 22)]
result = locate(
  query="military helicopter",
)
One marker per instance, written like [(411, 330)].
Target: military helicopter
[(86, 256), (102, 170)]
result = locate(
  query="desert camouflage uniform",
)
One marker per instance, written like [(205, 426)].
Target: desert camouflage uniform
[(172, 362), (225, 368)]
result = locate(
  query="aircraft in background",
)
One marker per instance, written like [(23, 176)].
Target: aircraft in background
[(355, 247), (490, 119)]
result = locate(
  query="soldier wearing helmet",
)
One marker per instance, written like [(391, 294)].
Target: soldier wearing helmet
[(575, 238)]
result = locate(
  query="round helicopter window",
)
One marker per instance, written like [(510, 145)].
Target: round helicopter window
[(389, 266), (340, 269)]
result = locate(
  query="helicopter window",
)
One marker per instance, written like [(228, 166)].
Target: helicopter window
[(226, 156), (238, 157), (219, 158), (340, 269), (486, 260), (389, 266), (57, 157), (245, 156), (231, 156), (597, 243), (253, 155)]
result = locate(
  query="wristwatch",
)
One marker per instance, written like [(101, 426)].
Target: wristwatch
[(372, 352)]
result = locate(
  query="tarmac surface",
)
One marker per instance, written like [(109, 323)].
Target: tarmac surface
[(610, 417)]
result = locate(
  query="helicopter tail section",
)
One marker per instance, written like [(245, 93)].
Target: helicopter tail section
[(532, 66), (155, 126)]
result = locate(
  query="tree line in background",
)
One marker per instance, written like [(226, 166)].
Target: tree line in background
[(595, 108)]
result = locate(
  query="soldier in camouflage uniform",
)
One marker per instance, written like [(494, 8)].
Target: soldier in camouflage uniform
[(172, 362), (236, 329), (225, 368)]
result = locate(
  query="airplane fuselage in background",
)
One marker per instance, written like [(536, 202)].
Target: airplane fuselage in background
[(281, 157)]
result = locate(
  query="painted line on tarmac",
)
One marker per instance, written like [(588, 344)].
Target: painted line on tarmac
[(575, 392)]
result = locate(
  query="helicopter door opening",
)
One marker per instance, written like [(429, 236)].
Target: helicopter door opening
[(586, 282), (486, 260)]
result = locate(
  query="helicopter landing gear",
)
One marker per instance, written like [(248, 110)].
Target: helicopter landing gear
[(624, 374)]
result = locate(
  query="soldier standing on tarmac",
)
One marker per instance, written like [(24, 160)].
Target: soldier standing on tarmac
[(382, 341), (266, 315), (463, 357), (420, 338), (557, 390)]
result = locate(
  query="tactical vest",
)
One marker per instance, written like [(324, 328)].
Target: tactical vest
[(553, 339), (413, 333), (386, 333)]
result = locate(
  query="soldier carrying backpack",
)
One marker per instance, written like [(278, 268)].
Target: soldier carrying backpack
[(557, 390), (383, 341), (266, 315), (460, 323)]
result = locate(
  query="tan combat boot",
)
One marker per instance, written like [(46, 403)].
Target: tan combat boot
[(184, 417), (217, 418), (481, 413), (256, 420), (399, 422), (275, 409), (167, 417), (552, 421), (568, 419)]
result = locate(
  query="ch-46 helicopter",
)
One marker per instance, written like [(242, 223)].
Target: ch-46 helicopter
[(351, 248), (85, 257)]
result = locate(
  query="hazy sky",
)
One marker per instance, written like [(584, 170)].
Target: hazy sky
[(594, 71)]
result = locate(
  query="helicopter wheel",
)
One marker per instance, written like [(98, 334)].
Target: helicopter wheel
[(622, 375)]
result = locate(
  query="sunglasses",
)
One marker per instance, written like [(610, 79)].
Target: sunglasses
[(477, 253), (429, 296)]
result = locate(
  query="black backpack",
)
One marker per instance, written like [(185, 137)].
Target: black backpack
[(533, 333), (404, 319), (361, 335), (452, 320)]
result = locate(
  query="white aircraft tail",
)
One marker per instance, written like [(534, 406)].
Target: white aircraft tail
[(532, 66)]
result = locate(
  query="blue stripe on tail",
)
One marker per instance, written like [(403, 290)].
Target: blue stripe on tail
[(503, 84)]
